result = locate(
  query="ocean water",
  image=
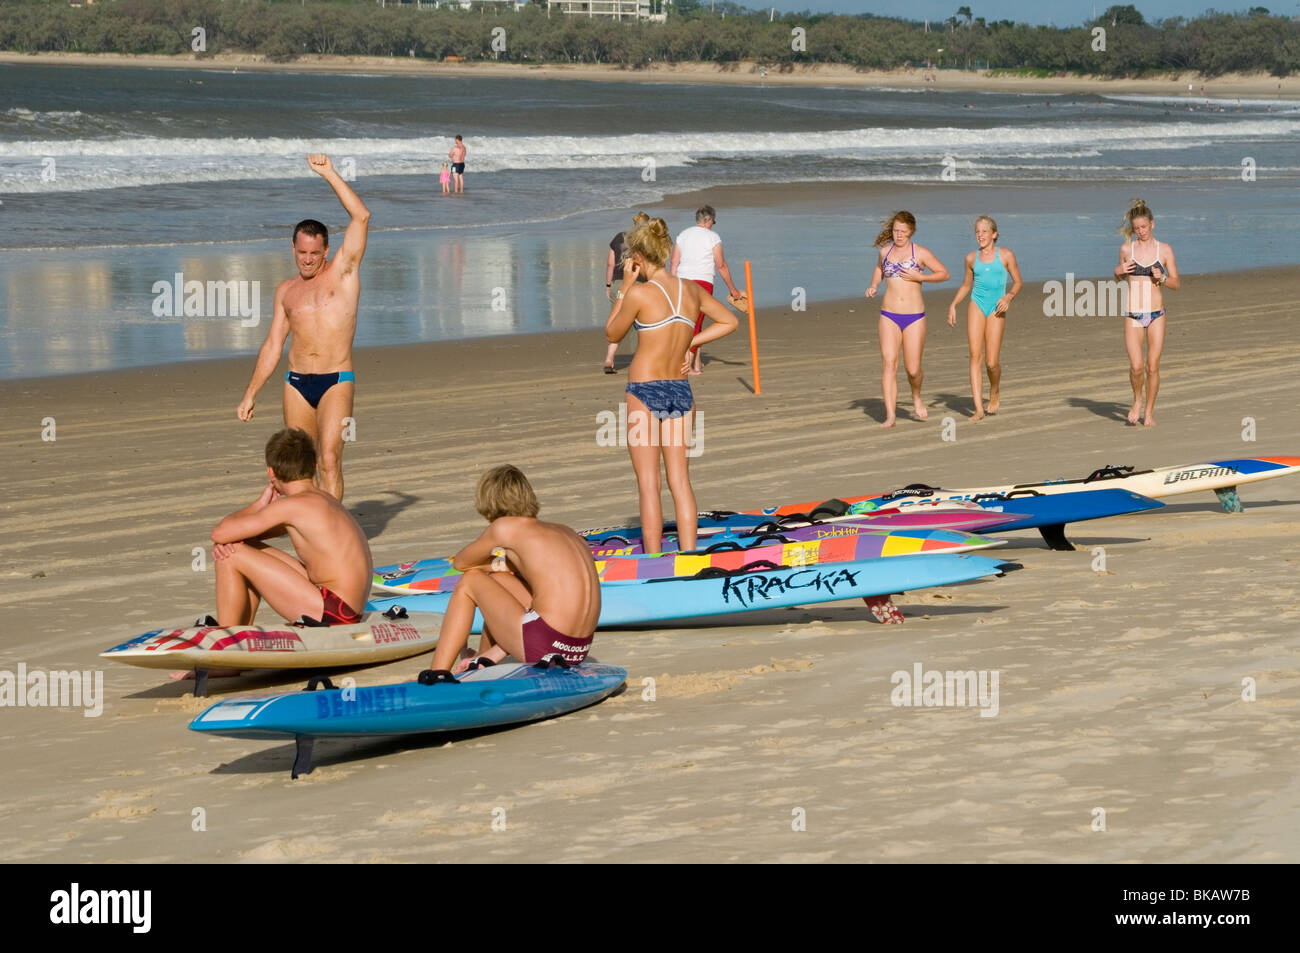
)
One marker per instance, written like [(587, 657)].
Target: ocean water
[(115, 181)]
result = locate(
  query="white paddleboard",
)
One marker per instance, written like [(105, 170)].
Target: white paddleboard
[(374, 639)]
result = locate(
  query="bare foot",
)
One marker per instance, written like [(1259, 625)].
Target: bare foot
[(994, 403), (919, 409), (694, 372), (978, 415), (1150, 421), (1135, 414), (212, 673)]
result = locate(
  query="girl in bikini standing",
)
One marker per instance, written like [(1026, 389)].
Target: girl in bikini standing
[(987, 269), (659, 399), (1150, 267), (902, 265)]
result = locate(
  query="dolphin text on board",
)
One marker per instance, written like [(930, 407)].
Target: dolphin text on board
[(1202, 473)]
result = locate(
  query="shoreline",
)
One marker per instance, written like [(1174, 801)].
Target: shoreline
[(747, 73), (12, 387)]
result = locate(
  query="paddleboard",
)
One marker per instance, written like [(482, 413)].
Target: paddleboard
[(722, 593), (504, 694), (1046, 513), (1216, 475), (805, 546), (374, 639), (965, 517)]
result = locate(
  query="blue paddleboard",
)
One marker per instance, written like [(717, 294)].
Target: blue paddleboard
[(505, 694), (655, 600), (1059, 508)]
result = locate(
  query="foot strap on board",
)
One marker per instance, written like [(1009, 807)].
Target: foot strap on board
[(317, 682), (552, 661), (395, 612), (883, 608), (435, 676), (1054, 536), (729, 545), (717, 572), (1229, 499), (1108, 473), (830, 509)]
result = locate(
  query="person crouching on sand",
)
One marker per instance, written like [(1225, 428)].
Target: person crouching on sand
[(535, 584), (333, 570)]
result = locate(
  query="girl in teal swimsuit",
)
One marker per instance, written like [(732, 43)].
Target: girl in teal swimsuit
[(987, 270)]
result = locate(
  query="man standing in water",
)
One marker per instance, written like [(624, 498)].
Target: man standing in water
[(319, 308), (457, 157)]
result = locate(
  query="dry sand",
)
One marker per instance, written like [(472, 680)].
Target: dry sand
[(1119, 690), (741, 73)]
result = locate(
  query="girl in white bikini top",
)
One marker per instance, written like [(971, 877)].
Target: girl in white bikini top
[(675, 316)]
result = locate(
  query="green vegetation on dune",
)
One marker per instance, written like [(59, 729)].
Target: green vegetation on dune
[(284, 29)]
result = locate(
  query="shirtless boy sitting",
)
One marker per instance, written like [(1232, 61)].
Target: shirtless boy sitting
[(535, 583), (333, 570)]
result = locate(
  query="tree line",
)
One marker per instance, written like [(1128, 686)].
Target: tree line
[(1212, 44)]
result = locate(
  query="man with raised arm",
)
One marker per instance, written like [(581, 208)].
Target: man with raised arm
[(319, 309)]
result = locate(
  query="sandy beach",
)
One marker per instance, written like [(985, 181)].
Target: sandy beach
[(1119, 690), (742, 73)]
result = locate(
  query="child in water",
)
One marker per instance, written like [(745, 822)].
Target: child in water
[(445, 179)]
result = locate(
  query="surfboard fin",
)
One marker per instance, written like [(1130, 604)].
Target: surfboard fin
[(302, 745), (883, 608), (1054, 536), (200, 683), (1229, 499)]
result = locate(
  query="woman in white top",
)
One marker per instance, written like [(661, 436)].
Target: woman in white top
[(696, 254)]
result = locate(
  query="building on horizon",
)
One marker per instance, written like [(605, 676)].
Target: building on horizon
[(614, 9)]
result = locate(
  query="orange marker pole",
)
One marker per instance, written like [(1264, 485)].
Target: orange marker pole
[(753, 334)]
